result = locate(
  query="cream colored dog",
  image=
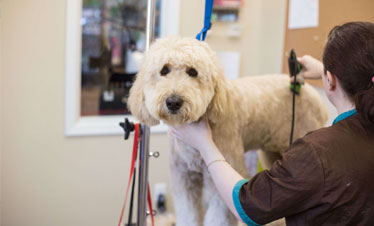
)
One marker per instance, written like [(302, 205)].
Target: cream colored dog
[(181, 80)]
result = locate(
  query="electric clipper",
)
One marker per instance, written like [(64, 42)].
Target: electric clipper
[(295, 67)]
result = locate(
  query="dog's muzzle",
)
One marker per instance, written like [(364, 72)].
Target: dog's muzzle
[(174, 103)]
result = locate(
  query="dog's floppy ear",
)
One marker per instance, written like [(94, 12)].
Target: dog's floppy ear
[(220, 106), (136, 102)]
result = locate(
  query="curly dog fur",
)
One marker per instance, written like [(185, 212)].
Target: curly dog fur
[(249, 113)]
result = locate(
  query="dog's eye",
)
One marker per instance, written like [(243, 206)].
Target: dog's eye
[(192, 72), (165, 70)]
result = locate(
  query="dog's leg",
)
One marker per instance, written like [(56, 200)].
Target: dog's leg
[(217, 213), (187, 189), (187, 183)]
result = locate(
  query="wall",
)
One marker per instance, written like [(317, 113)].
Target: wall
[(51, 180), (312, 41), (48, 179), (262, 26)]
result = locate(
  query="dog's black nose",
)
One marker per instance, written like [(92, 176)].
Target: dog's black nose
[(174, 103)]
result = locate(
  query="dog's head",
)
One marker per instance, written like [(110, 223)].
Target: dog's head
[(179, 81)]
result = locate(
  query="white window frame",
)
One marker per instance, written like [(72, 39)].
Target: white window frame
[(75, 124)]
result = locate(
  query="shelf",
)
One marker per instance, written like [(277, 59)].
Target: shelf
[(219, 7)]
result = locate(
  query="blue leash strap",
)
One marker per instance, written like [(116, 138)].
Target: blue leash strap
[(208, 15)]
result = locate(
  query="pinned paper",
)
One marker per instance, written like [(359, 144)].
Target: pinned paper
[(303, 14)]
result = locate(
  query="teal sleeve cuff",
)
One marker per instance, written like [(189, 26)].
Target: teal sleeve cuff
[(238, 206)]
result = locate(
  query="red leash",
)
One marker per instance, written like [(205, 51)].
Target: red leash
[(150, 205), (133, 161)]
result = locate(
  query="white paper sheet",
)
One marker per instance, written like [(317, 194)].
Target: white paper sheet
[(303, 14), (231, 63)]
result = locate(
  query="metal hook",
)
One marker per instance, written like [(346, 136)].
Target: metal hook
[(155, 154)]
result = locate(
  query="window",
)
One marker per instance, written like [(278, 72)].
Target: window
[(113, 40), (105, 42)]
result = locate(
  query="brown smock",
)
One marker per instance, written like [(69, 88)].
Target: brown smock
[(325, 178)]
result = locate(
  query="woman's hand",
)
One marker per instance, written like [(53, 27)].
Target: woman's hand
[(312, 68), (197, 134)]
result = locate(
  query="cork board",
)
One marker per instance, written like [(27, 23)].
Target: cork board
[(331, 13)]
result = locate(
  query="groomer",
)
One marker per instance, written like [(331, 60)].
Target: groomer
[(327, 177)]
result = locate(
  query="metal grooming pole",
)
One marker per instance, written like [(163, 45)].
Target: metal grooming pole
[(144, 146)]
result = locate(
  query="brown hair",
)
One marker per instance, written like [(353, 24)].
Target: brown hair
[(349, 55)]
